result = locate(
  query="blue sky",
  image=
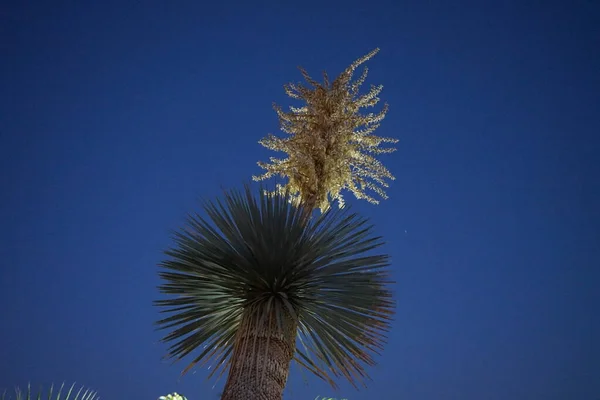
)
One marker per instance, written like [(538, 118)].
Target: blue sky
[(117, 116)]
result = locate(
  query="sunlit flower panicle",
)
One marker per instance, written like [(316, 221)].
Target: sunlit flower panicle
[(330, 146), (173, 396)]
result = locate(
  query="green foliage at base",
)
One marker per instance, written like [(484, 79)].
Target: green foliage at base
[(81, 394)]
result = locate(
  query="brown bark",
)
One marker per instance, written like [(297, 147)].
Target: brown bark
[(309, 204), (261, 358)]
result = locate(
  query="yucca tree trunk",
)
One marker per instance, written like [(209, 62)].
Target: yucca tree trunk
[(264, 348), (309, 203), (261, 357)]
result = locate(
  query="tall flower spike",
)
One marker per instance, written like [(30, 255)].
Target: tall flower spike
[(331, 145)]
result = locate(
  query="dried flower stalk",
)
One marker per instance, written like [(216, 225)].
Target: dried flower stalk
[(331, 145)]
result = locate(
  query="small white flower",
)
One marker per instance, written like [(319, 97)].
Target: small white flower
[(173, 396)]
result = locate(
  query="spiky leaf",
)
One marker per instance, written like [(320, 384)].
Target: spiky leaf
[(253, 251), (80, 394)]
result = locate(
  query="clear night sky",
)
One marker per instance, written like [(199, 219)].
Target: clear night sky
[(116, 116)]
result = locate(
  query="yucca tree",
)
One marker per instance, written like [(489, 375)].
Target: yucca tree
[(253, 276), (71, 394), (260, 274)]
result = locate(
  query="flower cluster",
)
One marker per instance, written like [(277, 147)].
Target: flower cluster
[(172, 396), (331, 146)]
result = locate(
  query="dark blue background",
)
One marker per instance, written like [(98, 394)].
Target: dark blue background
[(116, 116)]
